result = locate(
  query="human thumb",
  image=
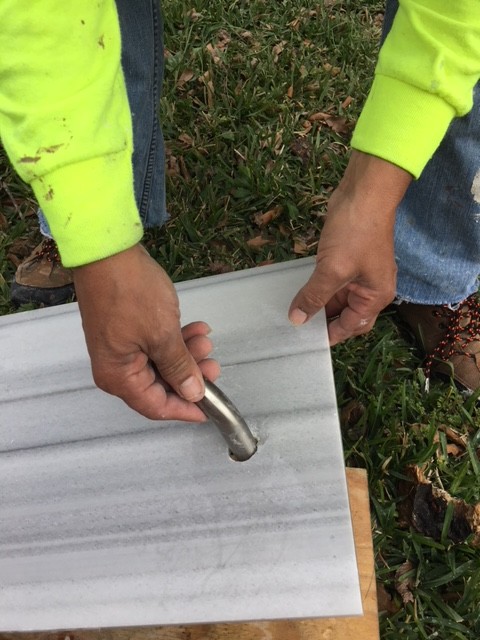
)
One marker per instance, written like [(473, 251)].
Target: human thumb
[(322, 285), (177, 367)]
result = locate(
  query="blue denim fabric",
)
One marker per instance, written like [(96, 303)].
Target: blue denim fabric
[(142, 63), (437, 230)]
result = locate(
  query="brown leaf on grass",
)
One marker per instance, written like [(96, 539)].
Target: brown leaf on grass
[(208, 82), (183, 169), (300, 247), (451, 449), (425, 508), (302, 148), (276, 145), (194, 15), (186, 140), (321, 115), (277, 50), (285, 231), (219, 267), (213, 51), (295, 24), (329, 68), (404, 583), (458, 441), (338, 124), (262, 219), (454, 450), (223, 39), (171, 164), (290, 92), (258, 242), (385, 602), (351, 413), (3, 221), (269, 166), (19, 250), (185, 77), (347, 102), (455, 436)]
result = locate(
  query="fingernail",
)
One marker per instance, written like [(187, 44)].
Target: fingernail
[(297, 316), (191, 389)]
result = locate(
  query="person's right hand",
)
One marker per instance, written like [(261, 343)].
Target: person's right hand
[(131, 319), (355, 274)]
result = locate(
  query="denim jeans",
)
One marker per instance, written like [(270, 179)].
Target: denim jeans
[(142, 63), (437, 230)]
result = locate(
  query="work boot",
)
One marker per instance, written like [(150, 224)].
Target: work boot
[(42, 279), (450, 339)]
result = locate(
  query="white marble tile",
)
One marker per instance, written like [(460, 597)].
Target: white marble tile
[(109, 519)]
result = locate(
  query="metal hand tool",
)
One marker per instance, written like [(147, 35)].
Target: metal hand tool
[(216, 406)]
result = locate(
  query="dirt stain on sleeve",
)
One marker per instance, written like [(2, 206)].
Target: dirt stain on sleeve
[(49, 194), (29, 159), (51, 149), (101, 42)]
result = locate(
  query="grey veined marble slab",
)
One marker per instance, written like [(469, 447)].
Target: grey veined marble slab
[(109, 519)]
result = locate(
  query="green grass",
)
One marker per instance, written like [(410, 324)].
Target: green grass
[(240, 144)]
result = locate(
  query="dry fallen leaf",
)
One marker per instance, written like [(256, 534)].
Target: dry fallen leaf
[(351, 413), (295, 24), (171, 164), (338, 124), (284, 230), (215, 49), (290, 92), (277, 50), (208, 81), (258, 242), (183, 169), (185, 77), (347, 102), (403, 583), (455, 436), (262, 219), (186, 140), (302, 148), (214, 53), (300, 247), (219, 267), (321, 115), (385, 601), (425, 508), (194, 15)]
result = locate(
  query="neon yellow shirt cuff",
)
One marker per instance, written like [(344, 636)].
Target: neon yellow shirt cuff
[(393, 124), (91, 224)]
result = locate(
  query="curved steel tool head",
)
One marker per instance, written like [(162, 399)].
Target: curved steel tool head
[(216, 406)]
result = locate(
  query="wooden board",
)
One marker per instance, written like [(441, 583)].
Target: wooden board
[(360, 628)]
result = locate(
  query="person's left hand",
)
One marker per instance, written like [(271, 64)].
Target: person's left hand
[(355, 274)]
